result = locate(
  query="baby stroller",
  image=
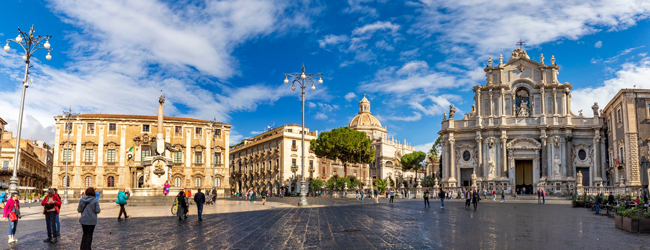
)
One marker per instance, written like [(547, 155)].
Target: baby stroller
[(209, 200)]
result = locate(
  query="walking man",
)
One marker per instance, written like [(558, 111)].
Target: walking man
[(598, 201), (468, 198), (361, 194), (442, 198), (121, 200), (426, 198), (476, 197), (503, 195), (494, 193), (264, 193), (539, 197), (88, 208), (392, 196), (376, 195), (199, 198), (357, 193)]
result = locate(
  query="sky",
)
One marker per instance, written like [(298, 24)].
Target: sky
[(226, 59)]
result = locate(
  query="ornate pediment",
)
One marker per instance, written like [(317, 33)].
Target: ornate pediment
[(522, 143)]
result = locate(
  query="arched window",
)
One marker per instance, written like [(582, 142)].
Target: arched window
[(65, 182), (197, 182), (89, 181), (110, 182), (177, 182), (217, 182)]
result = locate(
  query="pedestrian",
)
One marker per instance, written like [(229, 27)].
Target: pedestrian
[(426, 198), (392, 196), (88, 208), (539, 197), (543, 196), (182, 206), (475, 198), (494, 193), (503, 195), (376, 194), (166, 190), (264, 193), (442, 198), (451, 193), (58, 224), (214, 195), (357, 193), (4, 197), (51, 205), (610, 199), (121, 200), (597, 205), (97, 194), (199, 199), (12, 213), (468, 198), (484, 194), (408, 195), (524, 190)]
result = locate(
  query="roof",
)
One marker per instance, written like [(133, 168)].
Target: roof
[(3, 122), (145, 117), (620, 92)]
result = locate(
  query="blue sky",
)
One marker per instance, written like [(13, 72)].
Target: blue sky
[(225, 59)]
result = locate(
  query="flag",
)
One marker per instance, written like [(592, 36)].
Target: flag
[(130, 150)]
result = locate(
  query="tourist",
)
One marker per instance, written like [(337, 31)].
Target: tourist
[(442, 198), (166, 189), (246, 196), (4, 197), (214, 195), (121, 200), (610, 199), (503, 195), (539, 197), (264, 197), (89, 208), (376, 194), (392, 196), (97, 194), (408, 195), (475, 198), (597, 205), (468, 198), (199, 198), (494, 193), (543, 196), (181, 210), (361, 192), (451, 193), (51, 205), (58, 224), (12, 213), (357, 193), (484, 194), (426, 198)]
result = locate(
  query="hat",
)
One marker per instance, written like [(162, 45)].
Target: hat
[(50, 191)]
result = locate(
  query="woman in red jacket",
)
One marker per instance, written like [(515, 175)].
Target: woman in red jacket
[(9, 208), (51, 204)]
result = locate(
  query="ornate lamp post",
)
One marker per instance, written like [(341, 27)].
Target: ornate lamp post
[(303, 79), (30, 44), (68, 115)]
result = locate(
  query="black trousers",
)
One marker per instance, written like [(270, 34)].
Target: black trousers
[(50, 220), (87, 238), (122, 211), (426, 202), (391, 199), (475, 204), (467, 202)]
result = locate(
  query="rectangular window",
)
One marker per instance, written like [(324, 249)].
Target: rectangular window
[(146, 151), (178, 129), (88, 157), (217, 132), (68, 127), (559, 105), (311, 164), (293, 163), (198, 131), (67, 155), (198, 157), (5, 166), (178, 157), (145, 128), (112, 127), (293, 145), (619, 117), (217, 158), (620, 155), (90, 128), (110, 155), (549, 105)]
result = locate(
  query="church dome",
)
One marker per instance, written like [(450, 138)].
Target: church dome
[(364, 118)]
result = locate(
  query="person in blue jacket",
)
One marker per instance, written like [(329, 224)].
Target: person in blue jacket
[(121, 200)]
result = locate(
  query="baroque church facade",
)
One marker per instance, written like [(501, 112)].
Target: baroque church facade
[(521, 132)]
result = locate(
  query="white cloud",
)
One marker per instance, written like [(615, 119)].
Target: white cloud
[(415, 117), (629, 75), (369, 29), (404, 55), (358, 6), (598, 44), (311, 104), (320, 116), (424, 147), (350, 96), (332, 40), (475, 23), (622, 53), (414, 75)]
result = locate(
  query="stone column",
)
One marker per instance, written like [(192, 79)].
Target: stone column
[(569, 154), (544, 155), (543, 92), (478, 104), (598, 175), (491, 105), (479, 144), (554, 102), (503, 102), (452, 165), (504, 139)]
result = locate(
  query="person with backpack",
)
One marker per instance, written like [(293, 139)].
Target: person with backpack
[(426, 198), (51, 205), (503, 195), (199, 198), (475, 199), (12, 213), (494, 193), (121, 200), (376, 195), (362, 195), (88, 208), (442, 198)]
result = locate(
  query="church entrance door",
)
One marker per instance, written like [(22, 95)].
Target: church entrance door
[(524, 175), (466, 176), (585, 176), (141, 182)]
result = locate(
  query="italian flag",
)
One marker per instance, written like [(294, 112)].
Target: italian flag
[(130, 150)]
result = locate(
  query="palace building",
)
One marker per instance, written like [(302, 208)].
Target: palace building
[(112, 151), (521, 132), (272, 160), (35, 168)]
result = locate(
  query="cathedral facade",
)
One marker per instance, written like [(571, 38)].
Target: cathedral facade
[(521, 132)]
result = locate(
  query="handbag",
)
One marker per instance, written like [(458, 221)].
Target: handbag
[(12, 215)]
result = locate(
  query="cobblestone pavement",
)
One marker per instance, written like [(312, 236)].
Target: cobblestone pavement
[(340, 224)]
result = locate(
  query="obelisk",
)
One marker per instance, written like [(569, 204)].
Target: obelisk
[(160, 141)]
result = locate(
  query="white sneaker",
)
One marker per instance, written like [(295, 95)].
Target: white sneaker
[(15, 240)]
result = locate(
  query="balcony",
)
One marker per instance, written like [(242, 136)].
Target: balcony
[(294, 168), (294, 148)]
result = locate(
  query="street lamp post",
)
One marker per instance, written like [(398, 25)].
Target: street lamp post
[(68, 115), (303, 79), (30, 44)]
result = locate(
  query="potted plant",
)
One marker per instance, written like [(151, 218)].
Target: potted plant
[(633, 220)]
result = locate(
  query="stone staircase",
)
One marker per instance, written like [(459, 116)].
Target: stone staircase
[(151, 200)]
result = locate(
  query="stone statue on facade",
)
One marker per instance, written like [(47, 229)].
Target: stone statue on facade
[(492, 167), (523, 109), (452, 111), (444, 117), (579, 179), (595, 109), (557, 163), (556, 142), (474, 179), (145, 171), (491, 142)]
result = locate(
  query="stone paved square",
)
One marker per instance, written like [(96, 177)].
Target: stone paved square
[(339, 224)]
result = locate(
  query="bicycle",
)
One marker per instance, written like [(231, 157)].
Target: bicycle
[(174, 208)]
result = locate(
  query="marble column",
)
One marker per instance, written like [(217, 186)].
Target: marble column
[(478, 104), (569, 155), (479, 145), (491, 105), (544, 156), (504, 139), (554, 102), (503, 102), (452, 164), (598, 175)]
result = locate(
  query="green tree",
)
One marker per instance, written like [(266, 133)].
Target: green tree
[(381, 185), (434, 153), (340, 182), (344, 144), (413, 161), (316, 184), (428, 181), (331, 183)]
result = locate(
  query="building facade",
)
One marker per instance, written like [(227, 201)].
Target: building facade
[(628, 137), (388, 151), (3, 123), (35, 168), (521, 132), (107, 151), (272, 160)]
